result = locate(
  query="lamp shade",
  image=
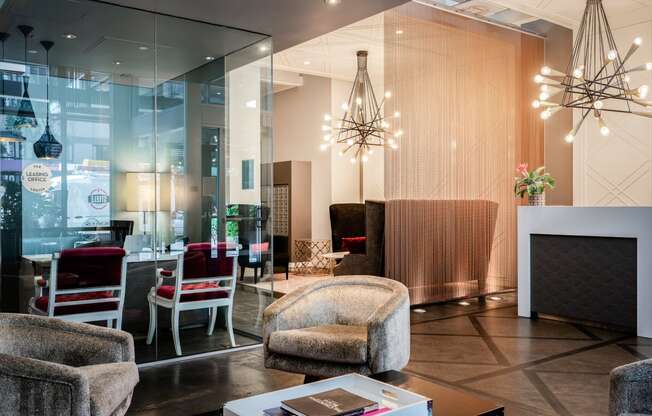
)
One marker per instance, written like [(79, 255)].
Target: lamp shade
[(147, 191)]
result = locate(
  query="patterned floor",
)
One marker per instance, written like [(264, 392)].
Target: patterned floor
[(534, 367)]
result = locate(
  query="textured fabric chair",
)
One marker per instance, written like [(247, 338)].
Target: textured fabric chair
[(52, 367), (205, 278), (90, 286), (373, 261), (631, 389), (347, 220), (336, 326)]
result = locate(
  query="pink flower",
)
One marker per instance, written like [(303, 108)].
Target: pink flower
[(522, 168)]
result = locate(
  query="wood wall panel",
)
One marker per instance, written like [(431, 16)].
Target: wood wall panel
[(464, 89)]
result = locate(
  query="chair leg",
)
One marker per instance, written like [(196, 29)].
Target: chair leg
[(109, 323), (175, 330), (242, 272), (229, 324), (255, 275), (287, 272), (212, 312), (152, 323)]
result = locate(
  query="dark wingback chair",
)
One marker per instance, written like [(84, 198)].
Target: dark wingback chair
[(373, 262), (120, 229), (347, 220), (253, 218)]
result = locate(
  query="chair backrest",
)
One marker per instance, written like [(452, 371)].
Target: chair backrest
[(203, 263), (347, 220), (88, 270)]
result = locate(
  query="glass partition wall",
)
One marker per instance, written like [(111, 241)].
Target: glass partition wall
[(165, 133)]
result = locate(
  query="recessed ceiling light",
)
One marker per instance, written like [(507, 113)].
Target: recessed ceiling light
[(399, 31), (209, 58), (32, 51), (69, 36), (495, 298), (143, 48), (419, 310), (464, 303), (263, 48), (117, 62), (332, 2), (306, 62)]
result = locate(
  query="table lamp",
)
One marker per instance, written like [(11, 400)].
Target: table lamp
[(147, 192)]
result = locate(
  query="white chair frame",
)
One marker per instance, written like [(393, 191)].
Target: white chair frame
[(176, 306), (111, 317)]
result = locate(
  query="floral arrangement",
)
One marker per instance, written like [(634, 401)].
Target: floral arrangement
[(533, 182)]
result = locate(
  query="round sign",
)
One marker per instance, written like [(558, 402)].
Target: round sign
[(37, 178), (98, 199)]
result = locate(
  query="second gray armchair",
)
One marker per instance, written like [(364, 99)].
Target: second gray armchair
[(631, 389), (52, 367), (336, 326)]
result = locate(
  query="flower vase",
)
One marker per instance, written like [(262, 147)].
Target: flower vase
[(537, 200)]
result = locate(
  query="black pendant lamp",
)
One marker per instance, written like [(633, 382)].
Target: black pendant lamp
[(7, 135), (25, 116), (47, 147)]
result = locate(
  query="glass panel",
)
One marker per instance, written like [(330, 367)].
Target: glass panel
[(202, 205), (139, 104)]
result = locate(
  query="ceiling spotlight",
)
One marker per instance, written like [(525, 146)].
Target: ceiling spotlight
[(69, 36), (464, 303), (263, 48), (306, 62), (209, 58), (118, 62), (32, 51), (496, 298), (143, 48), (399, 31), (332, 2)]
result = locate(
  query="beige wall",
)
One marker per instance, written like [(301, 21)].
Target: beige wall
[(617, 170), (298, 117)]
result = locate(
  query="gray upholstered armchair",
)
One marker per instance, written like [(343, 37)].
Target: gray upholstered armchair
[(337, 326), (50, 366), (631, 389)]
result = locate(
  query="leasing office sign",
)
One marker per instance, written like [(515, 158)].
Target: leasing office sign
[(37, 178)]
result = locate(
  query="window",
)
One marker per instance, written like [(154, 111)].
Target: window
[(248, 174)]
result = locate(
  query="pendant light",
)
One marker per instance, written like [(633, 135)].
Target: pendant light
[(25, 115), (7, 135), (47, 147)]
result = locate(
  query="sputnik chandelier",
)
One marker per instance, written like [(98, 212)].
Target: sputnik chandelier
[(363, 125), (596, 80)]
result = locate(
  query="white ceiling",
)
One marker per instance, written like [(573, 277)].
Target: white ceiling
[(334, 55)]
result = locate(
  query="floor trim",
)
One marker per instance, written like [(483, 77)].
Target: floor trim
[(209, 354)]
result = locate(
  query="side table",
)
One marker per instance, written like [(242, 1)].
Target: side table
[(308, 256)]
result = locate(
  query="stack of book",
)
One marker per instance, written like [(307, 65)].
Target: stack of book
[(336, 402)]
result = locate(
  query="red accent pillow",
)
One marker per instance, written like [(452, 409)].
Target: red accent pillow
[(355, 245), (167, 292), (259, 247)]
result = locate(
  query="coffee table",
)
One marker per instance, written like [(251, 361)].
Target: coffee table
[(446, 401)]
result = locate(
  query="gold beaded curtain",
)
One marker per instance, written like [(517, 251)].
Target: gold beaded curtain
[(463, 88)]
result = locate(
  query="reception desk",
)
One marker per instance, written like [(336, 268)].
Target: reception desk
[(587, 263)]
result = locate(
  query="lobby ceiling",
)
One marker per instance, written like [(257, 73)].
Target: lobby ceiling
[(289, 22)]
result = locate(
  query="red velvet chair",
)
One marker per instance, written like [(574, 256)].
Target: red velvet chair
[(89, 286), (205, 278)]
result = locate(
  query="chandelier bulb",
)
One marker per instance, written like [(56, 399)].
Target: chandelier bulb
[(628, 79), (544, 96), (643, 91), (398, 133), (332, 141), (604, 129), (340, 153), (325, 128), (365, 158), (349, 142), (577, 73), (323, 147), (327, 117), (598, 105), (638, 41), (648, 66), (545, 88), (612, 55), (327, 137), (397, 114), (345, 106), (536, 104), (539, 78), (358, 101), (388, 94), (546, 70), (570, 138), (394, 146), (371, 151), (390, 141), (352, 160), (545, 114)]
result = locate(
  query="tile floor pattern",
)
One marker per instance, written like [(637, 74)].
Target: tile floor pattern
[(534, 367)]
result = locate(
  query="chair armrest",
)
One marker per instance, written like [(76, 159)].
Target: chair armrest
[(164, 274), (63, 342), (30, 386), (631, 388), (388, 335), (301, 308)]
